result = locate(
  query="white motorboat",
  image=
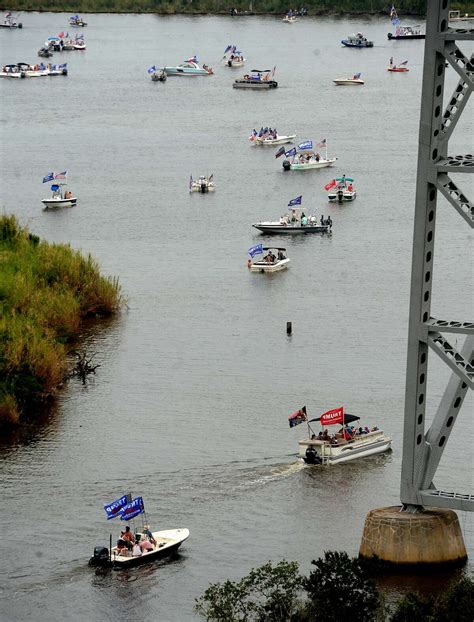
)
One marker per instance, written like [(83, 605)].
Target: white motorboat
[(289, 19), (59, 197), (233, 57), (10, 21), (268, 137), (57, 70), (271, 262), (303, 157), (341, 189), (455, 16), (258, 80), (190, 67), (203, 185), (348, 443), (136, 545), (355, 80)]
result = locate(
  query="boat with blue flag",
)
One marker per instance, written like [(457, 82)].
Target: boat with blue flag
[(274, 260), (76, 21), (59, 197), (296, 222), (304, 157), (233, 57), (137, 544), (404, 33), (357, 41), (269, 137), (190, 67)]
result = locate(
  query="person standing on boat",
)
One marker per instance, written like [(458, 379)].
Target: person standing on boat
[(149, 535), (127, 537)]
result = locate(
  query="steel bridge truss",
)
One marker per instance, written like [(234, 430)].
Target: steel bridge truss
[(423, 448)]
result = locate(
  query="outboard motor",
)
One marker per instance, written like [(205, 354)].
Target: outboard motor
[(101, 557), (64, 71), (203, 187), (229, 63), (311, 456), (286, 165), (340, 195)]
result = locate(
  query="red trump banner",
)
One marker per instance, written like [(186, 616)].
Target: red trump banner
[(331, 417)]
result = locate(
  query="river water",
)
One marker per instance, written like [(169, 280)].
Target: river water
[(189, 407)]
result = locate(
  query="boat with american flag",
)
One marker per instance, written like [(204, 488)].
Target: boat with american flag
[(59, 197), (346, 444)]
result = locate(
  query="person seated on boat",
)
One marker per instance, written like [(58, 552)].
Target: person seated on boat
[(318, 157), (136, 550), (281, 255), (283, 220), (68, 194), (304, 219), (128, 537), (325, 435), (374, 429), (146, 545), (121, 547), (366, 430), (148, 534), (313, 436), (349, 187)]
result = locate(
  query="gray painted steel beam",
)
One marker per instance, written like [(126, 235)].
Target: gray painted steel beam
[(422, 450)]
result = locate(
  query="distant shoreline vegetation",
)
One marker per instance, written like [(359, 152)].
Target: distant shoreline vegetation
[(46, 291), (218, 7)]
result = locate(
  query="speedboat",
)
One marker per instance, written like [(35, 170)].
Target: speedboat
[(10, 21), (407, 33), (268, 137), (304, 158), (140, 546), (190, 67), (45, 52), (59, 197), (76, 21), (203, 185), (233, 57), (455, 16), (341, 189), (271, 262), (295, 223), (356, 79), (258, 80), (348, 443), (401, 68), (289, 19), (357, 41)]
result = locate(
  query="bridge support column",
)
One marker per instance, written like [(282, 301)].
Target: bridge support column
[(431, 536)]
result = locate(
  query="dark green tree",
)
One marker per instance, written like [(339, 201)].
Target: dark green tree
[(339, 590), (268, 593), (414, 607)]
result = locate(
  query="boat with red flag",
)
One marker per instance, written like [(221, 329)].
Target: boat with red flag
[(400, 68), (349, 442)]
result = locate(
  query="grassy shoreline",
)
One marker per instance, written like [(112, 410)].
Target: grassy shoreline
[(46, 293), (218, 7)]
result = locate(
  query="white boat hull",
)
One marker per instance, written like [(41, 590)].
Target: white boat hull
[(168, 542), (262, 266), (362, 446), (55, 203), (334, 197), (347, 82), (271, 142), (306, 166)]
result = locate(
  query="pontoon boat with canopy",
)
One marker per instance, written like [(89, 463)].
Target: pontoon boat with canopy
[(347, 444), (258, 79)]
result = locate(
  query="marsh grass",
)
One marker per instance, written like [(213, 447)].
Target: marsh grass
[(46, 291), (168, 7)]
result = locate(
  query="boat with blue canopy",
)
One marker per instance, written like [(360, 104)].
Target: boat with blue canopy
[(59, 197), (137, 544)]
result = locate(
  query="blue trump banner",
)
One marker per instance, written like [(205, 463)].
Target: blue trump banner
[(291, 152), (256, 250), (152, 69), (115, 508), (48, 177), (280, 152), (296, 201), (307, 144), (132, 509)]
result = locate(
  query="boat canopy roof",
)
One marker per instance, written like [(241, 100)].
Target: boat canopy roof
[(273, 248), (344, 179), (347, 419), (261, 70)]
